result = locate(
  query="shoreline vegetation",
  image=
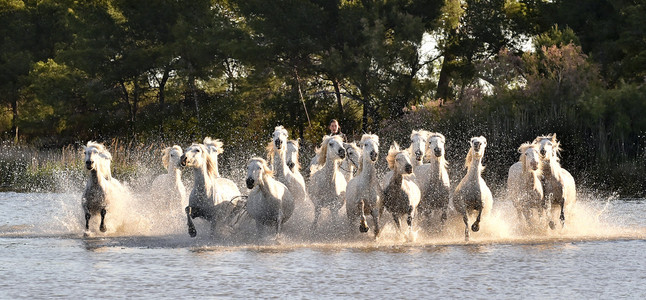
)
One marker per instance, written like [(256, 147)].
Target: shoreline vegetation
[(75, 71)]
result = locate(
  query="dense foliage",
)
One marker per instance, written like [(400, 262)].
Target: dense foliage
[(176, 71)]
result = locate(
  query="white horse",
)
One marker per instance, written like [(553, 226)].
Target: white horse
[(401, 194), (169, 187), (327, 185), (433, 180), (363, 193), (211, 194), (270, 202), (277, 154), (417, 149), (472, 194), (524, 182), (101, 190), (350, 164), (558, 184)]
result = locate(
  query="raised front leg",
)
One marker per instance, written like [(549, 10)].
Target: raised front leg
[(102, 226), (191, 227), (548, 210)]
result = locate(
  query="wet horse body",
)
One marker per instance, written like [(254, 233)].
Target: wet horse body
[(211, 195), (558, 184), (363, 193), (100, 189), (401, 196), (433, 181), (473, 194), (524, 184), (270, 203), (327, 185)]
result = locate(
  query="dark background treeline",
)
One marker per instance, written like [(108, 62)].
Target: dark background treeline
[(151, 72)]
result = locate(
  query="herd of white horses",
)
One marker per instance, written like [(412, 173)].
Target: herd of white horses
[(417, 187)]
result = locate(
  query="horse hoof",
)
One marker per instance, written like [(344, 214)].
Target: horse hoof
[(363, 228), (552, 226), (475, 227), (192, 232), (102, 228)]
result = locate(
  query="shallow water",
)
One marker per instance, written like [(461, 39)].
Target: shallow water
[(44, 253)]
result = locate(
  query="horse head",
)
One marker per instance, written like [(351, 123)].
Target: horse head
[(97, 158), (398, 160), (331, 146), (198, 156), (279, 137), (549, 148), (477, 149), (436, 144), (352, 153), (370, 145), (530, 157), (419, 144), (171, 157), (256, 169), (292, 155)]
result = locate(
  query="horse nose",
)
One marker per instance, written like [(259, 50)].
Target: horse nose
[(374, 155), (438, 152), (278, 143), (543, 152), (418, 154), (183, 160), (250, 183), (408, 168), (290, 165), (342, 153), (88, 164)]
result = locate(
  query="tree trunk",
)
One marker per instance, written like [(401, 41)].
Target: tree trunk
[(14, 119), (300, 95), (337, 92), (443, 90)]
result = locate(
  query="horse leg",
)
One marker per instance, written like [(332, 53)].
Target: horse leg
[(547, 204), (409, 219), (87, 220), (375, 218), (562, 217), (465, 218), (317, 214), (279, 222), (102, 226), (475, 227), (396, 219), (363, 224), (191, 227)]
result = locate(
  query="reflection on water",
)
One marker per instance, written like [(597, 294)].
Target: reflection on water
[(43, 253)]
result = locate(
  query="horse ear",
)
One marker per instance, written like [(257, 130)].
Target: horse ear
[(553, 137)]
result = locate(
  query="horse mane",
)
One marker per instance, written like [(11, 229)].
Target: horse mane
[(271, 151), (392, 153), (216, 145), (467, 160), (166, 157)]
